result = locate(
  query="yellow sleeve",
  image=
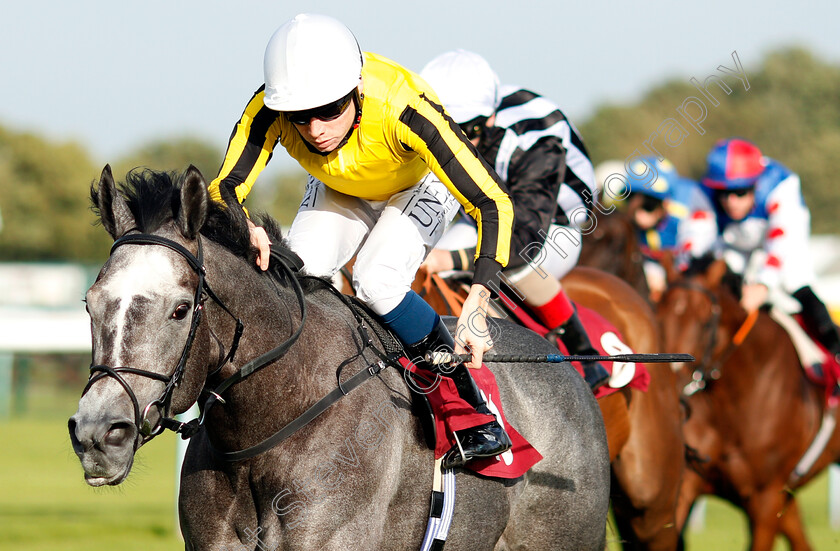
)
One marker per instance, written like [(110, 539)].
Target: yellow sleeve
[(432, 134), (249, 150)]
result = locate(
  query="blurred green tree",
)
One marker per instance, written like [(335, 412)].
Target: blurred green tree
[(174, 155), (44, 201), (791, 111)]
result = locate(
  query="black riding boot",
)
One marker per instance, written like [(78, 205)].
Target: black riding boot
[(487, 440), (818, 322), (577, 342)]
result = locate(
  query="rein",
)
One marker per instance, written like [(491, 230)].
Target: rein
[(283, 259), (319, 407)]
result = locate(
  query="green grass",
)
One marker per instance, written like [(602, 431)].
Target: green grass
[(46, 505)]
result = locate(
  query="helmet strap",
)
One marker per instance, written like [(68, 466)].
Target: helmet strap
[(357, 99)]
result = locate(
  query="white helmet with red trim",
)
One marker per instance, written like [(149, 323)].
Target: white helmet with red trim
[(310, 61)]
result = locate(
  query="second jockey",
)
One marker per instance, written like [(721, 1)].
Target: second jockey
[(541, 157), (763, 227)]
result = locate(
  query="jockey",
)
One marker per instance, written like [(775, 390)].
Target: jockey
[(541, 158), (759, 208), (671, 217), (386, 165)]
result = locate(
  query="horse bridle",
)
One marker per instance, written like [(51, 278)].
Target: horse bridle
[(707, 370), (291, 264), (147, 431)]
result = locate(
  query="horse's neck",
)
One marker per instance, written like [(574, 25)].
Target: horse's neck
[(267, 400), (762, 348)]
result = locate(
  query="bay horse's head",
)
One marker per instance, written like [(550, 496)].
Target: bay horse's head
[(698, 309), (150, 353)]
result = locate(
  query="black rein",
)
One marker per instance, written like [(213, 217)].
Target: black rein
[(290, 264)]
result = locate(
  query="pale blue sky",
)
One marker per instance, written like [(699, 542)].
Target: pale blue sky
[(113, 75)]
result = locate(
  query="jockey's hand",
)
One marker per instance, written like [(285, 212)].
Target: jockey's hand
[(471, 331), (753, 295), (439, 260), (261, 242)]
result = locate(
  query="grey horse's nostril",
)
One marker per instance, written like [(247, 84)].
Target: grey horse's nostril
[(77, 444), (71, 426)]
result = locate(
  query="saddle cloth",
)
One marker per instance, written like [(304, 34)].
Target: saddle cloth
[(818, 363), (452, 414)]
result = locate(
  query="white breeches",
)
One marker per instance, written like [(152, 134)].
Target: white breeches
[(390, 238)]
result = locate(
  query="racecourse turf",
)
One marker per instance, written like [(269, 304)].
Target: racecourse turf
[(45, 504)]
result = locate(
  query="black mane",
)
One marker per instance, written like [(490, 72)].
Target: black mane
[(154, 198)]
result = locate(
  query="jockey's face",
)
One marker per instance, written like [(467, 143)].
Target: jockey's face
[(326, 135), (737, 205), (647, 212), (475, 128)]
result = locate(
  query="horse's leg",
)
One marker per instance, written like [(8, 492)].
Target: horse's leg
[(692, 487), (790, 525), (762, 510), (650, 466), (208, 508)]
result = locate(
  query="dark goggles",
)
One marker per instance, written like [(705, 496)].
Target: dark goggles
[(328, 112), (474, 128), (650, 204), (739, 192)]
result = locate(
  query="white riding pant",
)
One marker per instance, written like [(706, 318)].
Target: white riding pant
[(390, 238)]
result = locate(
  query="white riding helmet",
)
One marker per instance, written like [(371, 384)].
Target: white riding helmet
[(310, 61), (465, 83)]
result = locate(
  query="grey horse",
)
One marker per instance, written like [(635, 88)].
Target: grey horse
[(359, 475)]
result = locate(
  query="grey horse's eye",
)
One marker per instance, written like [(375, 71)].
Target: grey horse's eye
[(181, 311)]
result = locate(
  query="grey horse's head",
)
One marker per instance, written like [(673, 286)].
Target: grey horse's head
[(141, 310)]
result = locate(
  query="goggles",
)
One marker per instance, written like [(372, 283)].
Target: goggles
[(650, 204), (474, 128), (721, 194), (328, 112)]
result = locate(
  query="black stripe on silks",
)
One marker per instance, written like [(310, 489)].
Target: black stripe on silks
[(437, 505), (257, 132), (455, 171), (437, 545), (519, 97), (530, 125), (457, 130), (578, 143)]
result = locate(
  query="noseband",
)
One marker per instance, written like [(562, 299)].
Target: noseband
[(706, 370), (710, 367), (146, 431)]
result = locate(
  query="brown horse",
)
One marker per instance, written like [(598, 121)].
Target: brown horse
[(753, 424), (643, 428), (611, 245)]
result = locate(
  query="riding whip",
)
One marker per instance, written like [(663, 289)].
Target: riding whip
[(438, 358)]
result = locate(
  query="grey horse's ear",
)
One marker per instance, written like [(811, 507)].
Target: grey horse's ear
[(194, 203), (113, 210)]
